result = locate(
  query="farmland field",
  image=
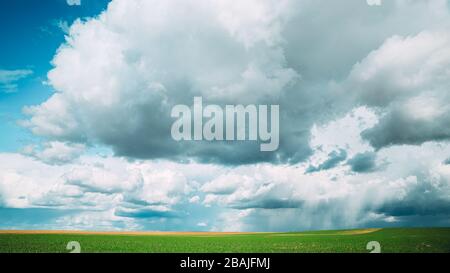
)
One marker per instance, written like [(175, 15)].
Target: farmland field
[(391, 240)]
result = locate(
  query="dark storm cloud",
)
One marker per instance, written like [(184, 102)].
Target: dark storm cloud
[(447, 161), (413, 209), (398, 128), (363, 162), (145, 213), (268, 204), (428, 197), (334, 158)]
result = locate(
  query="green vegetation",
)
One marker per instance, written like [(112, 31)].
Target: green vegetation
[(391, 240)]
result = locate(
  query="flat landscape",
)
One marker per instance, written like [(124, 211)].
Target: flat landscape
[(391, 240)]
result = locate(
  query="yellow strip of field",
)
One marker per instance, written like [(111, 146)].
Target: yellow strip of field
[(189, 233), (159, 233), (331, 233)]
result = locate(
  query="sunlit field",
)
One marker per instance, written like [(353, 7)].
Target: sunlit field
[(390, 240)]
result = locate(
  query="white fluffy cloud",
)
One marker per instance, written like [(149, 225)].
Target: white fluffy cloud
[(106, 193), (94, 183), (408, 79), (119, 74), (55, 152)]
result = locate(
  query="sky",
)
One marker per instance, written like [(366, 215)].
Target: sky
[(87, 88)]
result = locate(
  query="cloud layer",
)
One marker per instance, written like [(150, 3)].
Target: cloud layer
[(364, 114), (116, 194)]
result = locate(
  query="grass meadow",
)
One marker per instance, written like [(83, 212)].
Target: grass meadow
[(426, 240)]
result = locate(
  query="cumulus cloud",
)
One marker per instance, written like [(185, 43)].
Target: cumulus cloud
[(280, 198), (102, 193), (407, 78), (9, 79), (402, 185), (137, 195), (363, 162), (55, 152), (228, 53), (94, 183), (133, 63)]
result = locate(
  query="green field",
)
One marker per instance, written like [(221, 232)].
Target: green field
[(391, 240)]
